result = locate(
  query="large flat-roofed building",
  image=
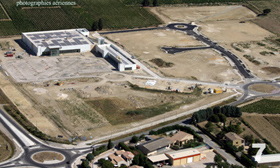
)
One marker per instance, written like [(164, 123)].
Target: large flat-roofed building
[(110, 50), (182, 157), (52, 43), (154, 146)]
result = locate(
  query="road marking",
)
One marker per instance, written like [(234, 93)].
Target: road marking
[(20, 135)]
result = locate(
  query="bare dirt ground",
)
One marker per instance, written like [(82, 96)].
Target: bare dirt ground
[(185, 14), (47, 156), (264, 128), (5, 148), (263, 88), (145, 45), (232, 26)]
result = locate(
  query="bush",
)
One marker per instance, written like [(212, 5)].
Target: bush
[(124, 147), (134, 139), (90, 157)]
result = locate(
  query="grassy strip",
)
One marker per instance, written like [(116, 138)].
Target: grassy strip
[(226, 102), (264, 106), (13, 111), (11, 144)]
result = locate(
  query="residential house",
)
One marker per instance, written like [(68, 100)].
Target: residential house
[(234, 139)]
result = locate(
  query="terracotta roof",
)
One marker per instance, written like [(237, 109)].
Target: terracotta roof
[(128, 155), (233, 136), (180, 136), (115, 159), (119, 152)]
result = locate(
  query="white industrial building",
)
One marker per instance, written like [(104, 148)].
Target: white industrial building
[(54, 42), (109, 50)]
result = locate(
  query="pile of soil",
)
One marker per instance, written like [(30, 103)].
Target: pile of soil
[(104, 90)]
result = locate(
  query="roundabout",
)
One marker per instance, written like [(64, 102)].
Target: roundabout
[(48, 157)]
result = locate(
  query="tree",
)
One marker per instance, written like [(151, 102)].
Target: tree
[(100, 24), (145, 3), (214, 118), (85, 164), (266, 11), (222, 117), (218, 158), (155, 3), (93, 150), (134, 139), (107, 164), (123, 166), (136, 160), (110, 144), (142, 137), (94, 26), (90, 157)]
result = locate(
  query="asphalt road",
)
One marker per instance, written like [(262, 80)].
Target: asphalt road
[(174, 50), (189, 29), (24, 138), (249, 94), (26, 158)]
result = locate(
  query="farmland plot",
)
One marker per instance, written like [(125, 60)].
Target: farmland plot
[(264, 128), (114, 14)]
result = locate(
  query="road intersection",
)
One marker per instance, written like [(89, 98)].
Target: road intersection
[(31, 145)]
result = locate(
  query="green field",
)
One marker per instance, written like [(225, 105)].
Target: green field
[(270, 22), (161, 2), (2, 14), (265, 106), (114, 14)]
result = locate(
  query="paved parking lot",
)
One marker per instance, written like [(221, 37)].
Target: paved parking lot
[(33, 69)]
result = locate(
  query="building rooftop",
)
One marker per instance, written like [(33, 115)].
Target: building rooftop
[(120, 152), (158, 158), (128, 155), (116, 159), (153, 145), (183, 153), (233, 136), (180, 136), (56, 38)]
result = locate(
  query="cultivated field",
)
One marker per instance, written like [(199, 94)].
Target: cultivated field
[(264, 128), (202, 14), (270, 22), (2, 13), (146, 45), (264, 106), (115, 15), (274, 120)]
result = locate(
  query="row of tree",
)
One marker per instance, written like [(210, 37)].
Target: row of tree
[(177, 127), (95, 152), (97, 25), (206, 114), (147, 3)]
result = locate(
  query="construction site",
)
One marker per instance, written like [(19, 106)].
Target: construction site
[(83, 94)]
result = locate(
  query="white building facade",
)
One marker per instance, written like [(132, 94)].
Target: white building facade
[(55, 42)]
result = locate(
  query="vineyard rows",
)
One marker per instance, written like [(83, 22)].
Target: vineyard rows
[(114, 14)]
